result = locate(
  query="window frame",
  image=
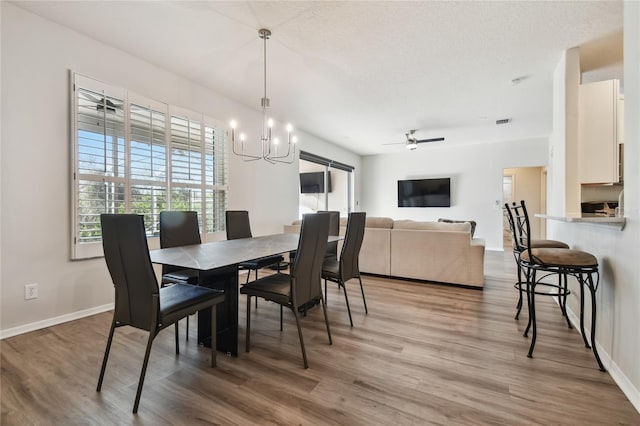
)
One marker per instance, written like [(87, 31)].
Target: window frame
[(215, 184)]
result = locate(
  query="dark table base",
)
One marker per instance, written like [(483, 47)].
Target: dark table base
[(226, 312)]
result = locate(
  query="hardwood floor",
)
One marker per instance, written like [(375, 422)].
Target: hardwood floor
[(425, 354)]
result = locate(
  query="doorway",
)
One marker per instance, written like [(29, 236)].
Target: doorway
[(528, 184)]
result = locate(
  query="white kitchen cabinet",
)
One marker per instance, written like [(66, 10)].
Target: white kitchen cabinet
[(598, 132), (620, 116)]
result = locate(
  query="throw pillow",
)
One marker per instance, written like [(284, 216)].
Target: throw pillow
[(472, 222)]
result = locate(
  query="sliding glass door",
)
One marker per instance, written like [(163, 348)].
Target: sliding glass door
[(324, 185)]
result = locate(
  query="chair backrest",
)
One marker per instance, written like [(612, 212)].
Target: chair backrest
[(334, 229), (306, 272), (520, 227), (238, 225), (352, 243), (127, 256), (178, 228)]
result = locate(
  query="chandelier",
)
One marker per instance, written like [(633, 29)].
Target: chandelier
[(269, 147)]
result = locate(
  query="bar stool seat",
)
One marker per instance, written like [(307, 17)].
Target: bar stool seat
[(559, 257)]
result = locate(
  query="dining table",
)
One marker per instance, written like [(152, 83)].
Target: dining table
[(217, 263)]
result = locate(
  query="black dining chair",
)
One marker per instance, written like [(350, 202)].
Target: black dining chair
[(139, 302), (334, 230), (179, 228), (302, 284), (342, 270), (238, 226)]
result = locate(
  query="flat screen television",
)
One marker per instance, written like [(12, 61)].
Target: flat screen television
[(424, 193), (313, 182)]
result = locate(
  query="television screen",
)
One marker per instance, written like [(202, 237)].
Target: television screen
[(424, 193), (313, 182)]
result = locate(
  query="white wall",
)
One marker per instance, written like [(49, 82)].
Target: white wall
[(476, 181), (618, 252), (35, 151)]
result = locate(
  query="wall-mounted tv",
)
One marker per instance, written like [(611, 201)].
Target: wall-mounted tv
[(313, 182), (424, 193)]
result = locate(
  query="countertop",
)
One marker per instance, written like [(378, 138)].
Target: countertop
[(618, 222)]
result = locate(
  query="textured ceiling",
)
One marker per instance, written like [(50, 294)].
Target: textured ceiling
[(360, 74)]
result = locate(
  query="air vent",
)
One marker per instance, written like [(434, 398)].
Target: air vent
[(503, 121)]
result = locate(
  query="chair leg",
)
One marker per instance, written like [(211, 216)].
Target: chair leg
[(532, 313), (325, 290), (364, 300), (562, 298), (304, 353), (177, 340), (280, 317), (256, 280), (248, 328), (144, 370), (326, 321), (214, 335), (528, 274), (187, 332), (592, 290), (106, 354), (519, 305), (584, 335), (346, 299)]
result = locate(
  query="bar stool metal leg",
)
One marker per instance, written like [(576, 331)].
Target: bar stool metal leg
[(581, 282), (592, 290), (532, 312)]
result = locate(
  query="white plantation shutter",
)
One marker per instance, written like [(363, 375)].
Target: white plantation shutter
[(216, 176), (148, 161), (100, 161), (131, 155)]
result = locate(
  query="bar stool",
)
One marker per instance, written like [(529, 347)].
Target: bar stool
[(564, 262), (519, 240)]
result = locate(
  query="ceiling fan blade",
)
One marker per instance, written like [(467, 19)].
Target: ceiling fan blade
[(430, 140), (394, 143)]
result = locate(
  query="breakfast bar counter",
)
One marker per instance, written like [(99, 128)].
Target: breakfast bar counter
[(617, 222)]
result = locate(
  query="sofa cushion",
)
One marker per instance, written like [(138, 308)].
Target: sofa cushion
[(379, 222), (472, 222), (432, 226)]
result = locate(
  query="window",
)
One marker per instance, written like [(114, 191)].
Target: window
[(136, 155)]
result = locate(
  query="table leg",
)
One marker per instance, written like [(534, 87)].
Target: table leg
[(226, 312)]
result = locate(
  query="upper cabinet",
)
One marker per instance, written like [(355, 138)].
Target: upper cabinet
[(599, 119), (620, 115)]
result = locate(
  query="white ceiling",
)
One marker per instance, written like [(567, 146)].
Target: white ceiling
[(361, 74)]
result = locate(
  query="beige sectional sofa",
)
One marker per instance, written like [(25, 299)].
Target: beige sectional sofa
[(430, 251)]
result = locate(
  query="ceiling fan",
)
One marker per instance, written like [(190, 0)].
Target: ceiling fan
[(412, 143)]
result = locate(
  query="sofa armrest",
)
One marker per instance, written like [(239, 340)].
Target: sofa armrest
[(374, 255)]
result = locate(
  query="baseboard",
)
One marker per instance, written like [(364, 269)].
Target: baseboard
[(10, 332), (618, 376)]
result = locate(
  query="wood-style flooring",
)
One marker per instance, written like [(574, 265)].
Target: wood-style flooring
[(425, 354)]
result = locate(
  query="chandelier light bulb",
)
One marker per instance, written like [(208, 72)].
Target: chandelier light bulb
[(289, 128), (242, 137), (233, 124), (276, 141), (294, 139), (270, 123)]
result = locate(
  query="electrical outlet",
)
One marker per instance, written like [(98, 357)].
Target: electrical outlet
[(31, 291)]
